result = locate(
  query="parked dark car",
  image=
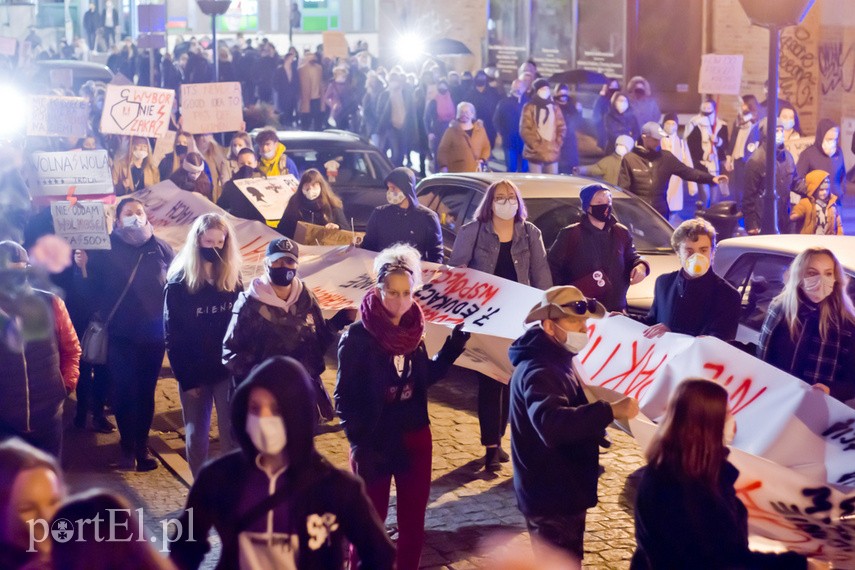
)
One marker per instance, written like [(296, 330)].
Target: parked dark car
[(38, 77), (361, 173), (553, 203)]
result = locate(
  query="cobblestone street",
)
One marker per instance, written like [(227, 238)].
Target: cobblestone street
[(467, 503)]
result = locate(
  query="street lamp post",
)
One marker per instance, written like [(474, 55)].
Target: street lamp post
[(774, 15), (214, 8)]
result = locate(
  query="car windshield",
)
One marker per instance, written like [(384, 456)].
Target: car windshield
[(355, 167), (650, 233)]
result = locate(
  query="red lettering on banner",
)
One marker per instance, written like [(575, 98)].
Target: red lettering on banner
[(738, 396), (744, 493), (594, 346), (249, 249), (331, 300), (437, 317), (643, 377), (458, 284)]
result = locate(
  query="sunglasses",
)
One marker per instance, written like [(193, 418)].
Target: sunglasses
[(582, 307)]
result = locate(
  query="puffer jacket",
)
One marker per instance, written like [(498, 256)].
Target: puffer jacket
[(261, 328), (460, 152), (477, 247), (31, 381), (805, 210), (536, 148)]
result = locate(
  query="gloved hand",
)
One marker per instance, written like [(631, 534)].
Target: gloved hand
[(343, 318), (459, 337)]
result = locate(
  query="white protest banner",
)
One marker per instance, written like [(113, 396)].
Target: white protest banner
[(720, 74), (269, 195), (8, 46), (796, 444), (136, 111), (211, 107), (335, 45), (88, 171), (83, 225), (58, 116)]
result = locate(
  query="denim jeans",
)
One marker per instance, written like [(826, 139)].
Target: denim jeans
[(196, 406)]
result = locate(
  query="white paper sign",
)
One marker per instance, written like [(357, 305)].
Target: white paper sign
[(720, 74), (83, 225), (88, 171), (211, 107), (58, 116), (269, 195), (136, 111)]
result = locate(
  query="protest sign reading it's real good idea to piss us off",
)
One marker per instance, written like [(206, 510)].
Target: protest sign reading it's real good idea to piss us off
[(211, 107), (137, 111)]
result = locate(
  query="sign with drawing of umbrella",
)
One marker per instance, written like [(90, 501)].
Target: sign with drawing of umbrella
[(269, 195)]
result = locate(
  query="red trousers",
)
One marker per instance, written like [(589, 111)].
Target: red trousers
[(410, 465)]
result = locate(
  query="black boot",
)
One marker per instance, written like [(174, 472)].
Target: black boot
[(491, 459)]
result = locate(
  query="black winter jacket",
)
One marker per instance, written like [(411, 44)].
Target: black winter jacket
[(555, 432), (680, 524), (300, 209), (259, 330), (754, 209), (366, 372), (814, 158), (140, 314), (646, 174), (235, 202), (417, 226), (195, 325), (706, 305), (581, 249)]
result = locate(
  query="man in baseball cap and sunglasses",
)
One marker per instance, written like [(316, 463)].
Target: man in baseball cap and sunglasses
[(555, 431)]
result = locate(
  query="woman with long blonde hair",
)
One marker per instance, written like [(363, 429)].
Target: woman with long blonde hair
[(135, 170), (203, 284), (687, 514), (809, 329)]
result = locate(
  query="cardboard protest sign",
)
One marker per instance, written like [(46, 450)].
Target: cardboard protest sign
[(269, 195), (313, 234), (88, 171), (163, 146), (83, 225), (720, 74), (335, 45), (8, 46), (136, 111), (211, 107), (795, 444), (58, 116)]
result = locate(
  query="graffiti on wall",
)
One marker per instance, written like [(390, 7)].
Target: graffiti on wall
[(837, 67), (798, 68)]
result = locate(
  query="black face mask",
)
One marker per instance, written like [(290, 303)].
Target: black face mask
[(243, 172), (563, 98), (443, 90), (211, 254), (281, 276), (601, 212), (181, 149), (480, 83)]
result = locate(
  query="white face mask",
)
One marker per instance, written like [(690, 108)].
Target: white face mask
[(544, 92), (506, 211), (788, 125), (575, 341), (779, 138), (671, 129), (621, 106), (267, 433), (140, 154), (270, 154), (133, 221), (696, 265), (729, 429), (394, 198), (746, 117), (621, 150), (312, 192), (818, 287), (829, 147)]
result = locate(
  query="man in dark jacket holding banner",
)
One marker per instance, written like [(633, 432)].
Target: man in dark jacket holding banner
[(555, 431)]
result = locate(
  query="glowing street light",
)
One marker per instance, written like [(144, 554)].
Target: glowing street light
[(410, 47)]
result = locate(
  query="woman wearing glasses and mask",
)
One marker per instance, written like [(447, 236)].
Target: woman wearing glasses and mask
[(501, 242), (203, 284)]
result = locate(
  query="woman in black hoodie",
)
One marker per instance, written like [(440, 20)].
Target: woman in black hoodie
[(203, 285), (276, 502), (404, 220)]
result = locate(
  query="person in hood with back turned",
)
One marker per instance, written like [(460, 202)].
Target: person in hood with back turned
[(542, 129), (278, 315), (694, 300), (597, 254), (276, 502), (555, 431), (825, 154), (404, 220)]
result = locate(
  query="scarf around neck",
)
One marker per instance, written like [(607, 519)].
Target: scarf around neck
[(396, 340), (134, 236)]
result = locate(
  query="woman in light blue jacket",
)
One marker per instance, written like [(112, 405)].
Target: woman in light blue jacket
[(501, 242)]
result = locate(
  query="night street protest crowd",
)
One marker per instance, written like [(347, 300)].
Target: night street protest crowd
[(271, 497)]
